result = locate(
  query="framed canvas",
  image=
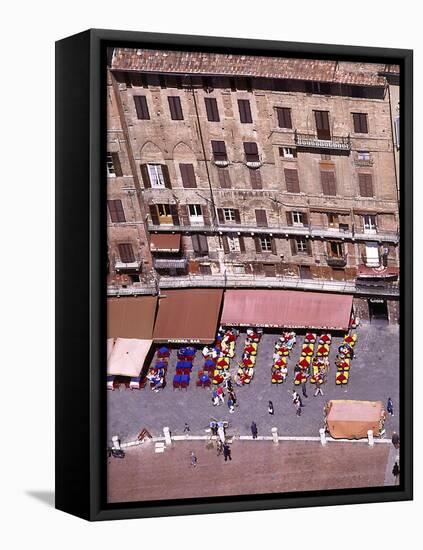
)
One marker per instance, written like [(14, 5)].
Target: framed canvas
[(234, 291)]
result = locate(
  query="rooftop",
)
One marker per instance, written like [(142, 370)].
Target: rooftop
[(201, 63)]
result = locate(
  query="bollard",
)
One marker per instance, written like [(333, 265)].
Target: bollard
[(166, 433), (322, 433), (275, 435), (370, 438), (116, 442)]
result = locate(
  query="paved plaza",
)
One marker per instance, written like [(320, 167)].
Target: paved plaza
[(374, 375), (256, 467)]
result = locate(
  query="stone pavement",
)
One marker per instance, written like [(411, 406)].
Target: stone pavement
[(257, 467), (374, 375)]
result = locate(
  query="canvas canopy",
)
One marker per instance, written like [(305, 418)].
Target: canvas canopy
[(164, 242), (128, 356), (347, 419), (287, 308), (130, 317)]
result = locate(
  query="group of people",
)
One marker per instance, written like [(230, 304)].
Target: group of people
[(283, 347), (218, 395)]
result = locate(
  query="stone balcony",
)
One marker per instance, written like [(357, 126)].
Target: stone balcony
[(312, 141)]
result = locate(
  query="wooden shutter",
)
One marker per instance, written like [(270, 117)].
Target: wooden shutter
[(305, 218), (261, 218), (309, 251), (365, 182), (220, 215), (206, 214), (255, 177), (273, 243), (202, 241), (141, 107), (225, 244), (289, 218), (195, 243), (257, 244), (322, 124), (154, 214), (328, 182), (237, 216), (188, 175), (117, 214), (251, 151), (212, 110), (291, 180), (175, 108), (126, 253), (183, 209), (219, 150), (174, 214), (116, 165), (145, 175), (166, 177), (284, 117), (244, 111), (241, 244), (224, 178), (360, 123), (293, 244)]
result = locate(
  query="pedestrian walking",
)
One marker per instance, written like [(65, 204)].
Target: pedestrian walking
[(304, 389), (318, 391), (227, 452), (270, 408), (395, 440), (186, 429), (298, 407), (220, 394), (396, 472), (296, 397), (231, 405), (254, 430), (215, 398), (229, 385), (219, 447), (193, 459), (232, 395), (390, 406)]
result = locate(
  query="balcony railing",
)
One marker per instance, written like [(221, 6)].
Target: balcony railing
[(336, 261), (342, 143)]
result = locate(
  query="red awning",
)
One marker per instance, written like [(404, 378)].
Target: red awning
[(287, 308), (165, 243), (188, 316), (129, 317), (377, 272)]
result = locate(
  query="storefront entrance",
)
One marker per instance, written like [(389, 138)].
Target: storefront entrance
[(378, 310)]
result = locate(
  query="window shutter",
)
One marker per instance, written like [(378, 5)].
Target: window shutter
[(116, 165), (284, 117), (251, 151), (241, 244), (366, 185), (175, 108), (195, 243), (206, 214), (202, 241), (322, 124), (291, 180), (183, 208), (126, 253), (261, 218), (145, 175), (305, 218), (224, 178), (225, 244), (289, 218), (293, 244), (360, 123), (166, 177), (237, 216), (255, 178), (257, 245), (244, 111), (212, 110), (188, 175), (220, 215), (328, 182), (273, 243), (174, 214), (141, 107), (116, 211), (154, 215), (309, 250), (219, 150)]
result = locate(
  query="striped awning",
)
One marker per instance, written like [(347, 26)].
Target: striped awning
[(169, 263)]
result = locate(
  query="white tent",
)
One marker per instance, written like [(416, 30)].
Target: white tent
[(128, 356)]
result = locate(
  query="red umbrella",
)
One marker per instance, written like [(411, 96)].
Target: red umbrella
[(348, 339), (322, 349), (310, 337), (249, 349), (222, 362), (325, 338), (307, 350), (280, 362), (247, 362), (304, 363)]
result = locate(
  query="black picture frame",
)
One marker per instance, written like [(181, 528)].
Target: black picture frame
[(81, 283)]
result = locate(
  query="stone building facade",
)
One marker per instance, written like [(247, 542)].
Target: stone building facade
[(267, 172)]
